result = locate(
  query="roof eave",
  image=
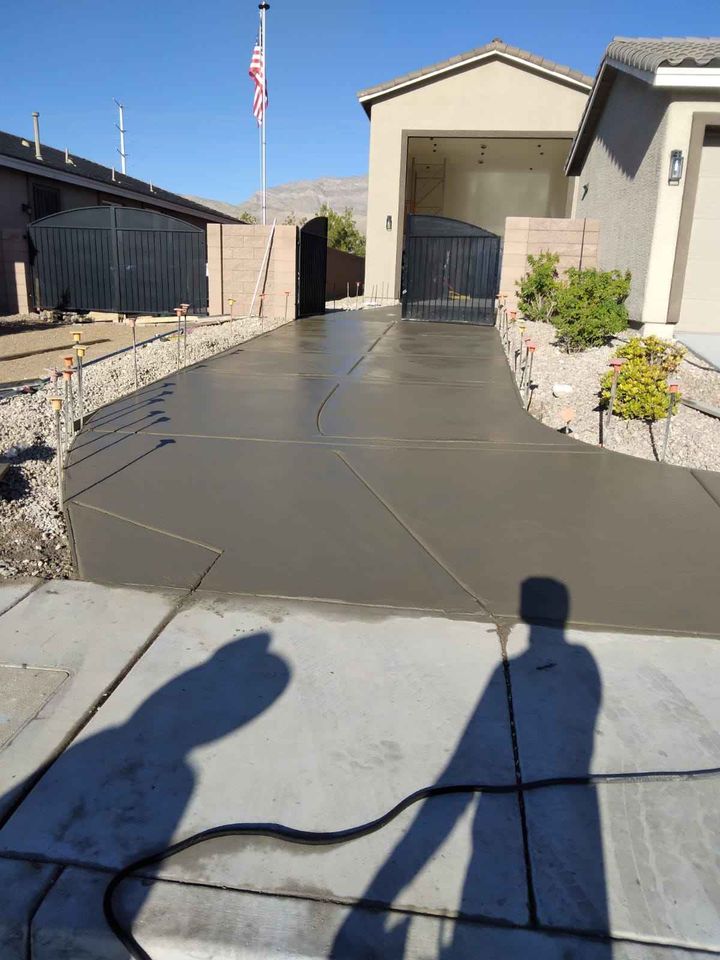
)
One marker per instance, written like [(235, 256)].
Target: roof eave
[(117, 189), (371, 94)]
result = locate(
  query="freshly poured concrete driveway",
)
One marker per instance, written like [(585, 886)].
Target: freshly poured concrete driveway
[(362, 459)]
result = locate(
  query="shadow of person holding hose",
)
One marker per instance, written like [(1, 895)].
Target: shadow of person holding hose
[(557, 696), (122, 792)]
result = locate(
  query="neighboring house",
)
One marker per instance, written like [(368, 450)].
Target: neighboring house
[(37, 180), (478, 138), (647, 155)]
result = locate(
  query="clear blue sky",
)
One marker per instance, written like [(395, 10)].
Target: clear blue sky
[(180, 66)]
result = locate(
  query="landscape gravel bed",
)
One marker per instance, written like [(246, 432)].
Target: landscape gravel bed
[(695, 436), (32, 529)]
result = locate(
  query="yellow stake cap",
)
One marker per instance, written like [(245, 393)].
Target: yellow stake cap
[(56, 403), (77, 336)]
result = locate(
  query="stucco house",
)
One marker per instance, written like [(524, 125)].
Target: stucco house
[(647, 159), (478, 138)]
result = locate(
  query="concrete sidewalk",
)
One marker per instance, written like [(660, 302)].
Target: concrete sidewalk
[(230, 709), (365, 460)]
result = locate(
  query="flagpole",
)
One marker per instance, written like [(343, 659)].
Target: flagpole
[(263, 7)]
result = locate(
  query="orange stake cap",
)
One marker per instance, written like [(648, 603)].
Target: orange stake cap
[(673, 386)]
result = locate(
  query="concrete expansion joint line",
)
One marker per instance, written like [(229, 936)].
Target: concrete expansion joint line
[(503, 631), (416, 537)]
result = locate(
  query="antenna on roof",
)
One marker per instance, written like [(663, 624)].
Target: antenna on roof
[(121, 128)]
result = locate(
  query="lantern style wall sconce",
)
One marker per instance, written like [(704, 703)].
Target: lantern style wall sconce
[(677, 162), (388, 222)]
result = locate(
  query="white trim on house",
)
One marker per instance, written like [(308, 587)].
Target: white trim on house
[(391, 86), (695, 77), (49, 173)]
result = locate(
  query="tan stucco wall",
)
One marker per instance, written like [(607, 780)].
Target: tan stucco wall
[(620, 180), (575, 241), (490, 97), (235, 259)]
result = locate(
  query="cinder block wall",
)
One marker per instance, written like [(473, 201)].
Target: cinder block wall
[(14, 272), (576, 242), (235, 257)]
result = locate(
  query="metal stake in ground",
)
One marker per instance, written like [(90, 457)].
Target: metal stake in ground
[(616, 364), (673, 388), (69, 405), (178, 314), (185, 307), (134, 345), (57, 403), (79, 354), (518, 352), (524, 360), (531, 347), (287, 294)]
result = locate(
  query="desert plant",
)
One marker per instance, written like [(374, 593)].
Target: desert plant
[(591, 307), (537, 290), (642, 387)]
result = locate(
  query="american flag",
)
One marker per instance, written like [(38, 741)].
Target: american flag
[(257, 75)]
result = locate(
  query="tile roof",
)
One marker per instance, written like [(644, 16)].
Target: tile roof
[(638, 53), (649, 53), (497, 46), (52, 159)]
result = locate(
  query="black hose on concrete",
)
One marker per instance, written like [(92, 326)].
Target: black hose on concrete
[(279, 831)]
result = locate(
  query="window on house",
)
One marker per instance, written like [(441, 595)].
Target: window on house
[(46, 200)]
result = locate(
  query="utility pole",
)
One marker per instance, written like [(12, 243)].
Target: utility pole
[(121, 128)]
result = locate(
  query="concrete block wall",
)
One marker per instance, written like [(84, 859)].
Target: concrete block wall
[(576, 242), (235, 258), (15, 283)]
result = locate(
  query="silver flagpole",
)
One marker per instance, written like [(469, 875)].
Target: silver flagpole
[(263, 7)]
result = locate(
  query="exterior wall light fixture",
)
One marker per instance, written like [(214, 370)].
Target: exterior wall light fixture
[(388, 222), (677, 162)]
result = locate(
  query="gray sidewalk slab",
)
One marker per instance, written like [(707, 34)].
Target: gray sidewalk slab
[(638, 859), (13, 591), (177, 922), (23, 887), (81, 636), (309, 715), (294, 362)]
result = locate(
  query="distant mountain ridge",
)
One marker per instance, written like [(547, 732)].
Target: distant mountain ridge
[(303, 198)]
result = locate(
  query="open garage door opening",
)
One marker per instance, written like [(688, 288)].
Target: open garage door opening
[(462, 189)]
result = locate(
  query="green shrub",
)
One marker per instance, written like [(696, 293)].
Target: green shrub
[(642, 387), (590, 307), (537, 291)]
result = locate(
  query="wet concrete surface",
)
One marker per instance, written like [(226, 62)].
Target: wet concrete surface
[(363, 459)]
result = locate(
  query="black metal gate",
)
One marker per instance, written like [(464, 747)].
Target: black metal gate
[(451, 271), (312, 267), (121, 259)]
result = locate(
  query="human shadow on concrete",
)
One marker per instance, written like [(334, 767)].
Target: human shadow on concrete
[(566, 724), (122, 793)]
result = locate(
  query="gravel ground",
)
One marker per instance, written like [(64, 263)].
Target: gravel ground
[(32, 529), (695, 437)]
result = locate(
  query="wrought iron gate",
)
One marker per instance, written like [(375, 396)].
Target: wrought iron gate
[(451, 271), (312, 267), (122, 259)]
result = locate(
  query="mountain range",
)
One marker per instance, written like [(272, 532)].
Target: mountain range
[(302, 198)]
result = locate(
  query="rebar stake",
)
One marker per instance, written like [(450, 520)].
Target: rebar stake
[(287, 294), (57, 403), (616, 363), (79, 354), (673, 388), (531, 347), (178, 314), (185, 307)]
